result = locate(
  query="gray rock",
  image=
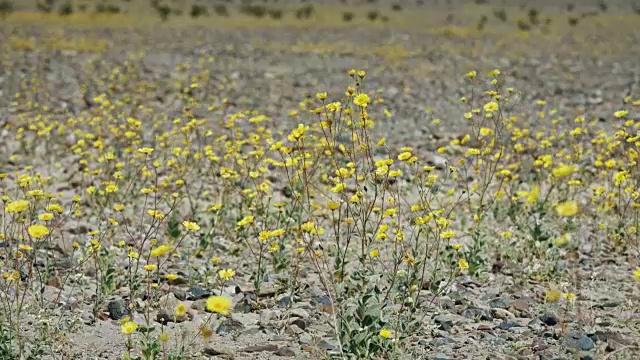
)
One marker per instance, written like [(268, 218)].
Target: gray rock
[(301, 313), (229, 326), (267, 316), (117, 309), (284, 301), (197, 292), (441, 356), (448, 321), (285, 352), (180, 294), (218, 351), (300, 323), (502, 314), (475, 312), (440, 341), (506, 325), (549, 319), (260, 348), (578, 341), (499, 303), (168, 302), (327, 346)]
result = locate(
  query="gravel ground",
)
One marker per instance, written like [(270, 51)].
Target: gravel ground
[(584, 69)]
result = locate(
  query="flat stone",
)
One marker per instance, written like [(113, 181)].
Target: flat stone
[(285, 352), (218, 351), (475, 312), (499, 303), (260, 348), (229, 326), (197, 292), (549, 319)]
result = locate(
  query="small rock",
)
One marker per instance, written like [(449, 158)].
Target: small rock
[(327, 346), (521, 305), (218, 351), (180, 294), (168, 302), (285, 352), (197, 292), (474, 312), (229, 326), (301, 313), (267, 316), (117, 309), (163, 317), (440, 341), (578, 341), (284, 301), (305, 339), (199, 304), (299, 323), (260, 348), (549, 319), (499, 303), (506, 325), (502, 314), (323, 302), (252, 331), (441, 356)]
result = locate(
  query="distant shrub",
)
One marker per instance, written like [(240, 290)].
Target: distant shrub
[(533, 16), (107, 9), (45, 6), (570, 7), (66, 9), (573, 21), (384, 18), (198, 10), (305, 12), (347, 16), (275, 13), (373, 15), (82, 7), (482, 23), (6, 8), (396, 7), (164, 11), (221, 10), (258, 11), (450, 19), (603, 6), (523, 25), (500, 14)]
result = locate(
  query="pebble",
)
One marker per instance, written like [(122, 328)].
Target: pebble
[(285, 352), (549, 319)]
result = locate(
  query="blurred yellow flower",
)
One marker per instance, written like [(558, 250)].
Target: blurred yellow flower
[(38, 231), (219, 304), (190, 225), (247, 220), (226, 274), (161, 250), (362, 100), (180, 310), (568, 208), (17, 206), (463, 264), (128, 327), (385, 333)]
